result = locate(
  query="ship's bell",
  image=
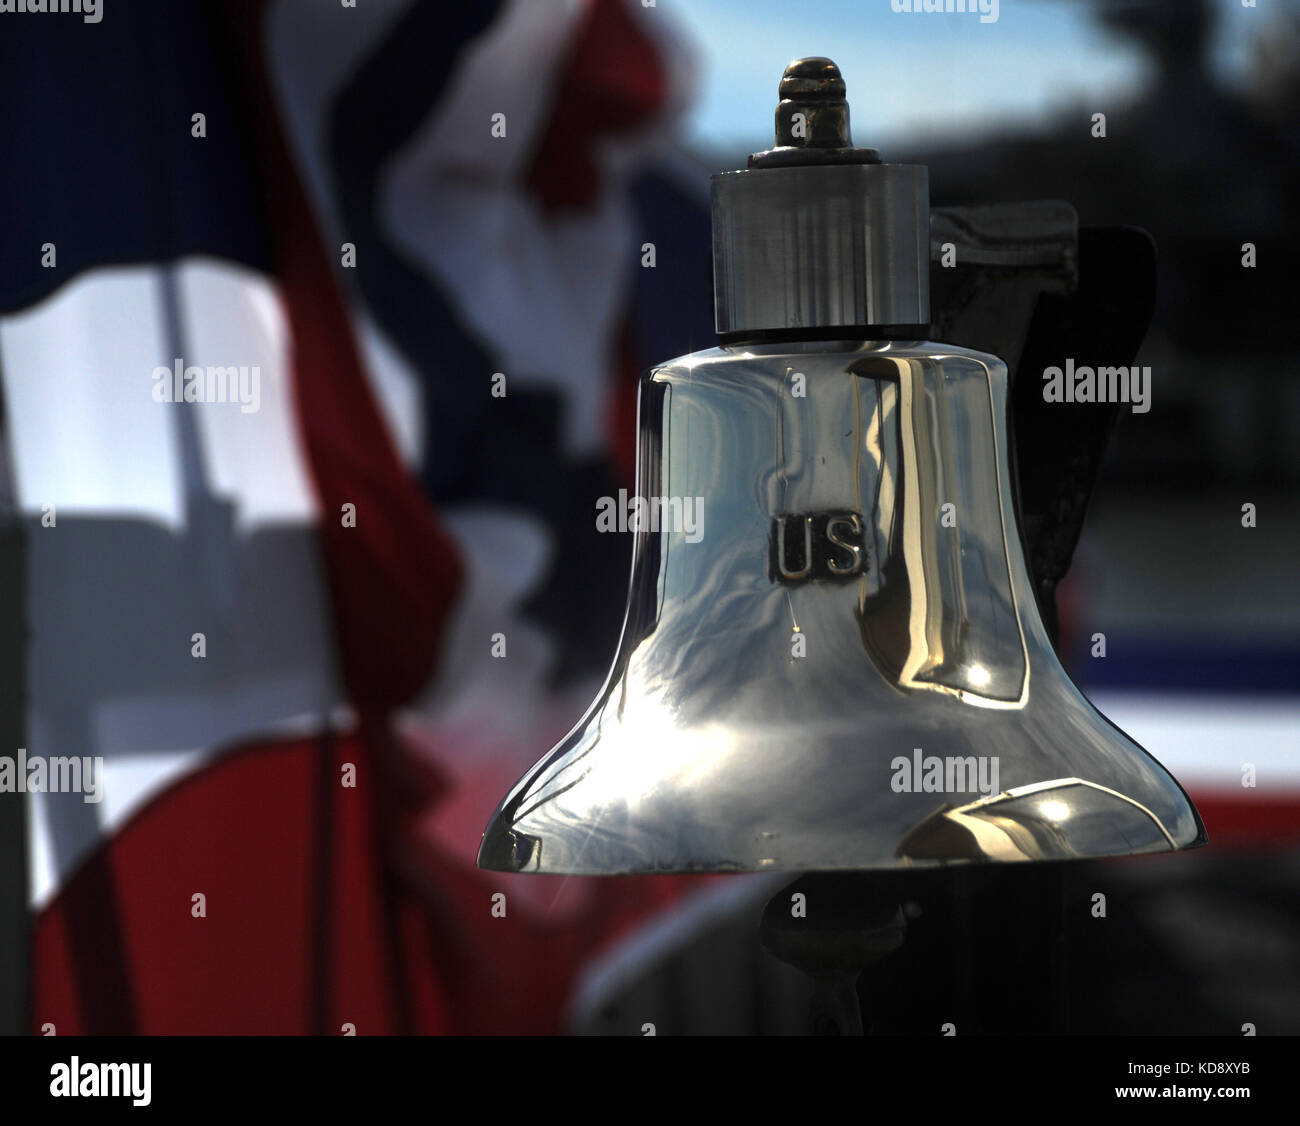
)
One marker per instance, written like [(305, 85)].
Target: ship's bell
[(832, 656)]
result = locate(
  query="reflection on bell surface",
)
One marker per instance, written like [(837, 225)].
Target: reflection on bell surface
[(842, 666)]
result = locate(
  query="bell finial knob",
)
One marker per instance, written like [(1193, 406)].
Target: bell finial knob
[(812, 119), (813, 111)]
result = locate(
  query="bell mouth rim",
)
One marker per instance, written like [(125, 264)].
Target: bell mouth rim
[(929, 865), (961, 826)]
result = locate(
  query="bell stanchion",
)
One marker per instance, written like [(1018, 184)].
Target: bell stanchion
[(831, 926)]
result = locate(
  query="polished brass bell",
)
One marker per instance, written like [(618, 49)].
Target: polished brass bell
[(841, 666)]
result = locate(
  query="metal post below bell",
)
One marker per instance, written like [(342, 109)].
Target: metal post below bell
[(843, 922)]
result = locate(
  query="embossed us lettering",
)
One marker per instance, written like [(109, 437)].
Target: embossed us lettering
[(824, 546)]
